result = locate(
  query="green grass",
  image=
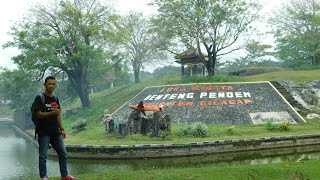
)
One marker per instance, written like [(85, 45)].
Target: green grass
[(295, 76), (281, 171), (205, 79), (95, 135), (263, 67), (112, 99)]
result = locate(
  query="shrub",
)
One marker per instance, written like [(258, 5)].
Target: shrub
[(79, 125), (199, 129), (230, 130), (164, 134), (284, 126), (184, 131), (271, 126)]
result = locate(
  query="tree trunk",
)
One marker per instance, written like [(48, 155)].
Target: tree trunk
[(211, 64), (136, 70), (214, 60), (80, 85), (136, 76), (84, 96), (316, 60)]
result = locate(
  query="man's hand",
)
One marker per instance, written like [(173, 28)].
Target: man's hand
[(64, 135), (56, 111)]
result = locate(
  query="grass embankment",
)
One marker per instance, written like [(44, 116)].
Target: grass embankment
[(296, 76), (283, 171), (112, 99)]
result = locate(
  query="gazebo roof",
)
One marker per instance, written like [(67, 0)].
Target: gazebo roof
[(190, 56), (190, 53)]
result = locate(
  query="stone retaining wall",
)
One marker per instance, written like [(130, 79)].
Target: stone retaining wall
[(189, 149), (184, 149)]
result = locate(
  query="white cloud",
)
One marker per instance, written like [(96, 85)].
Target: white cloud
[(10, 12)]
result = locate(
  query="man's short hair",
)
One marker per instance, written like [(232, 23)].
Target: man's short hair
[(48, 78)]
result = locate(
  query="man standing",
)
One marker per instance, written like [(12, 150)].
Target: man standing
[(50, 130)]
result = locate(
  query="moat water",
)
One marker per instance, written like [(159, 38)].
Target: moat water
[(19, 159)]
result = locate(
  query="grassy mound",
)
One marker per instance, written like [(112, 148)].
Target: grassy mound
[(112, 99)]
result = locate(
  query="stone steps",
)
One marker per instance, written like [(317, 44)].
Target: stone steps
[(286, 94)]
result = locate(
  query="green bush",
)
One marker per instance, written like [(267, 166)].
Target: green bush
[(306, 67), (199, 129), (164, 134), (230, 130), (284, 126), (271, 126), (79, 125), (184, 131)]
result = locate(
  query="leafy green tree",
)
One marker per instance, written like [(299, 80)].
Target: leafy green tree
[(256, 51), (139, 41), (297, 32), (69, 36), (213, 25), (167, 71), (257, 55), (64, 90), (116, 75), (121, 74), (19, 87)]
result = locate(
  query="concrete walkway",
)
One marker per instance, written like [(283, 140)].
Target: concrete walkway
[(5, 121)]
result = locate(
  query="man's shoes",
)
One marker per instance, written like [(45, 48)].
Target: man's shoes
[(44, 178), (68, 177)]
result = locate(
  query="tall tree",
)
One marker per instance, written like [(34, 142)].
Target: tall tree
[(71, 36), (213, 25), (257, 54), (139, 41), (18, 86), (256, 51), (297, 27), (116, 75)]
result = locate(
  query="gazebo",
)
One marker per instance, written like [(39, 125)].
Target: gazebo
[(192, 60)]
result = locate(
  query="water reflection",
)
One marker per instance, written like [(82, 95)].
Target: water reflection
[(19, 159)]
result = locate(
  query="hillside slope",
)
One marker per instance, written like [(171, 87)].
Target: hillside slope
[(112, 99)]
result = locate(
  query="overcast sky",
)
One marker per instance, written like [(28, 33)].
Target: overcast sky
[(13, 10)]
